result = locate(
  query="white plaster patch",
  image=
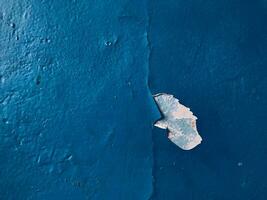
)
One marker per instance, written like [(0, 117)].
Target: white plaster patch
[(179, 120)]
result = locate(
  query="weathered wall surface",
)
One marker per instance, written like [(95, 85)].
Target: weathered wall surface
[(214, 58), (77, 113), (75, 107)]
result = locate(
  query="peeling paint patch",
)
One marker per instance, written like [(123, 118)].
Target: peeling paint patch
[(179, 120)]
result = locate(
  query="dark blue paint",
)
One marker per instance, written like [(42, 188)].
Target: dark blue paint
[(212, 56), (77, 114)]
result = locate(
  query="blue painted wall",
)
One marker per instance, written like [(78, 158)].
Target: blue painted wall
[(212, 56), (76, 109)]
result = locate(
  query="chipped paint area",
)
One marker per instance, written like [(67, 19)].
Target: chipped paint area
[(179, 120)]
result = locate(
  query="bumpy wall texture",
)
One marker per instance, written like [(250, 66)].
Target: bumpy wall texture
[(76, 106)]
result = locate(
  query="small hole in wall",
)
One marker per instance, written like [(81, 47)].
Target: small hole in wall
[(5, 120), (38, 80), (12, 25), (108, 43)]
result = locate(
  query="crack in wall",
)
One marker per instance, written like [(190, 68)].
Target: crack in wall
[(153, 103)]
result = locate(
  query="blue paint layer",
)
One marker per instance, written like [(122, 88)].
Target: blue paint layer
[(77, 114), (212, 56)]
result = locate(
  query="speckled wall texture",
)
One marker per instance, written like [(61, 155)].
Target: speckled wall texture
[(76, 106)]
